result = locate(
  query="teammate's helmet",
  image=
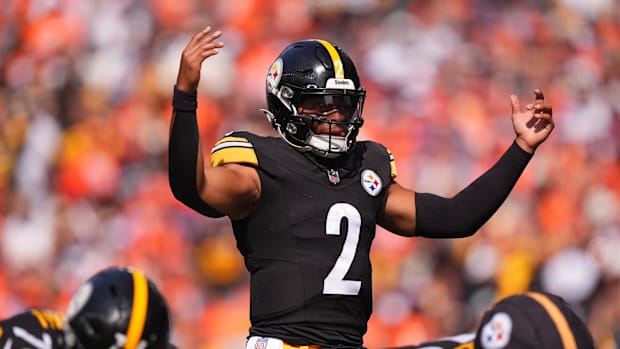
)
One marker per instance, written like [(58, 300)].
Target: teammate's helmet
[(322, 74), (532, 320), (118, 308)]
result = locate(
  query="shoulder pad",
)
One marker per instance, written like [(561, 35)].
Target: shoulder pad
[(48, 319), (393, 171), (233, 150)]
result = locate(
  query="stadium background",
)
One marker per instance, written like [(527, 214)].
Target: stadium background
[(84, 112)]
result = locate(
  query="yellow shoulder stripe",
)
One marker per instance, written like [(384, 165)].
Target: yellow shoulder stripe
[(231, 139), (40, 317), (48, 319), (468, 345), (394, 172), (233, 150)]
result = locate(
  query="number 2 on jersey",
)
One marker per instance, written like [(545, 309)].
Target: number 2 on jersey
[(335, 283)]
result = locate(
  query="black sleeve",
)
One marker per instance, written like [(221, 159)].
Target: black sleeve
[(183, 153), (465, 213)]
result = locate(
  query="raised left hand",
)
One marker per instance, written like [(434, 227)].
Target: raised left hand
[(534, 124)]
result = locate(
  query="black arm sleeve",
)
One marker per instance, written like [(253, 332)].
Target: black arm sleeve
[(465, 213), (183, 153)]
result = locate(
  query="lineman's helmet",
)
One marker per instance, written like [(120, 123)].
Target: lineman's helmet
[(118, 308)]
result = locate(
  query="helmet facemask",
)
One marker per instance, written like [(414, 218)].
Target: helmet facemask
[(313, 106)]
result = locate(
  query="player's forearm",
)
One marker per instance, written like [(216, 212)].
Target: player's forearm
[(185, 159), (466, 212)]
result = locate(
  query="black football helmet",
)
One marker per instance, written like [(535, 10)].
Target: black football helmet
[(118, 308), (321, 74)]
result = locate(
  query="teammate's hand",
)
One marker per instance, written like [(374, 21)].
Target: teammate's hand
[(534, 124), (200, 47)]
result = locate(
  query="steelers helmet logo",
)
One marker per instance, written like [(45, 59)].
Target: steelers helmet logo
[(371, 182), (496, 332), (81, 297), (274, 75)]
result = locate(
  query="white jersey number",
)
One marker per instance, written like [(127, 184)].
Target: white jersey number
[(335, 283), (44, 343)]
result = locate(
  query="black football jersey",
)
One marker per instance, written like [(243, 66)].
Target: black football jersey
[(307, 242), (33, 329)]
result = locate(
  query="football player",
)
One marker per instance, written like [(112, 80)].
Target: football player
[(116, 308), (531, 320), (304, 206)]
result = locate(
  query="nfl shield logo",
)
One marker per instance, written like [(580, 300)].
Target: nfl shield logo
[(261, 343), (333, 176)]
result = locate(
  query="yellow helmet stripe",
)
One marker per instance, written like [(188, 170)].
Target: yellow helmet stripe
[(568, 339), (138, 309), (333, 53)]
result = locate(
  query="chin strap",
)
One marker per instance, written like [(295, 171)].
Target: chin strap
[(319, 143), (270, 117), (316, 143), (272, 120)]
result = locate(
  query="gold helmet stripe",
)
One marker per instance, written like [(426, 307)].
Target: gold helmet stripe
[(138, 309), (333, 53), (568, 339)]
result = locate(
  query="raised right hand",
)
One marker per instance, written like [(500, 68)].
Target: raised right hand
[(199, 48)]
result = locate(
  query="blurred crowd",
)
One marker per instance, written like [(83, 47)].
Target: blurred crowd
[(85, 105)]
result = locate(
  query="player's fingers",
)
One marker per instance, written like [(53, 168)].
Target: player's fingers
[(543, 116), (216, 34), (540, 108), (208, 52), (198, 36), (210, 48), (544, 124), (539, 95), (209, 44), (199, 50), (193, 48), (203, 41), (515, 103)]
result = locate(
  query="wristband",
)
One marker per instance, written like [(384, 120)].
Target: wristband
[(186, 101), (517, 151)]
